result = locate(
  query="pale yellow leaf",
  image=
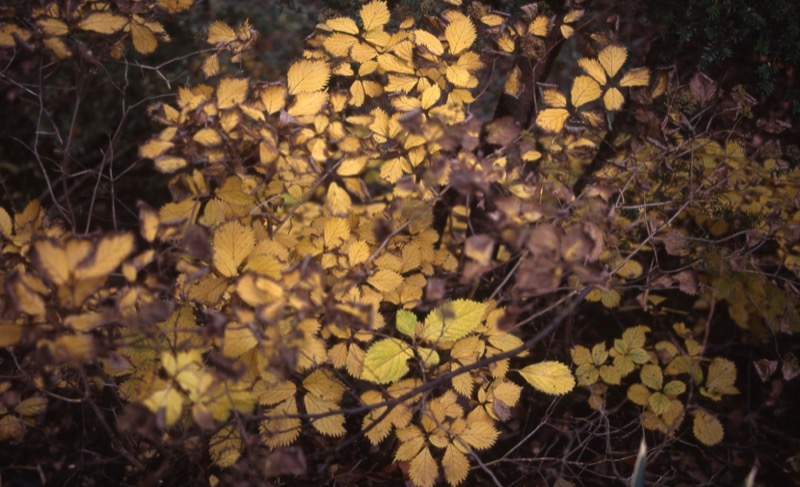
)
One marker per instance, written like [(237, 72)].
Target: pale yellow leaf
[(452, 320), (232, 243), (539, 26), (207, 137), (425, 38), (385, 280), (636, 77), (343, 24), (238, 340), (460, 35), (225, 447), (386, 361), (167, 400), (308, 76), (154, 148), (593, 68), (274, 98), (52, 261), (613, 99), (707, 428), (103, 22), (455, 465), (332, 425), (549, 377)]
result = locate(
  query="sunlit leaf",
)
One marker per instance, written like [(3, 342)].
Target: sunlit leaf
[(584, 90), (552, 119), (423, 469), (386, 361), (460, 35), (374, 15), (231, 244), (103, 22), (231, 92), (612, 58), (549, 377), (452, 320)]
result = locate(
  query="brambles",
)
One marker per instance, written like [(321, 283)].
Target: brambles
[(350, 252)]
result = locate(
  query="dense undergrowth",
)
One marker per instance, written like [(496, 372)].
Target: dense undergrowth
[(358, 274)]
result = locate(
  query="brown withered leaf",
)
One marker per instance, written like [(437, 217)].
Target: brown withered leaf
[(765, 368), (502, 131), (479, 248), (285, 461), (790, 367), (703, 88), (675, 243), (435, 290), (543, 243), (687, 282), (538, 276)]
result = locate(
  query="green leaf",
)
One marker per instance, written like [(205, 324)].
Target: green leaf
[(406, 322), (452, 320), (549, 377), (385, 361)]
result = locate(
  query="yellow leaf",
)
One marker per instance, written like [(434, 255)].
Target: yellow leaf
[(109, 253), (6, 224), (636, 77), (720, 379), (375, 15), (52, 261), (339, 44), (630, 270), (220, 32), (144, 41), (573, 15), (154, 148), (431, 96), (385, 361), (554, 98), (33, 406), (9, 33), (593, 68), (238, 340), (455, 465), (357, 252), (274, 98), (479, 434), (424, 38), (567, 31), (461, 76), (322, 384), (613, 99), (338, 201), (308, 76), (452, 320), (460, 35), (103, 22), (332, 425), (652, 376), (335, 231), (53, 27), (539, 26), (231, 92), (612, 58), (308, 104), (225, 447), (552, 119), (210, 66), (168, 400), (584, 90), (231, 244), (11, 427), (513, 85), (707, 428), (207, 137), (385, 280), (175, 6), (343, 24), (549, 377), (423, 469)]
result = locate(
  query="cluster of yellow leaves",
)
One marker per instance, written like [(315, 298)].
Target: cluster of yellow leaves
[(663, 410), (55, 27), (15, 418)]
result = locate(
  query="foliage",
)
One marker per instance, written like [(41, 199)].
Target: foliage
[(350, 252)]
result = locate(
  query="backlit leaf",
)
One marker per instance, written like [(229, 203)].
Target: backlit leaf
[(375, 15), (549, 377), (460, 35), (231, 92), (307, 76), (423, 469), (103, 22), (584, 90), (552, 119), (231, 244), (386, 361), (452, 320), (612, 58)]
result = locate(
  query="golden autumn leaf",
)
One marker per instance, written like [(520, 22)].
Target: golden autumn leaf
[(386, 361), (423, 469), (232, 243), (584, 90), (343, 24), (707, 428), (175, 6), (231, 92), (226, 446), (375, 15), (460, 35), (613, 99), (513, 85), (455, 465), (308, 76), (103, 22), (635, 77), (549, 377), (9, 34), (168, 402), (6, 224), (720, 379), (593, 68), (385, 280), (332, 425), (425, 38), (612, 58), (552, 119), (539, 26), (109, 252), (53, 262), (144, 41), (220, 32)]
